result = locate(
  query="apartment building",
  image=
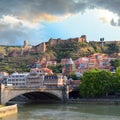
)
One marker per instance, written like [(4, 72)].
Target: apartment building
[(17, 79)]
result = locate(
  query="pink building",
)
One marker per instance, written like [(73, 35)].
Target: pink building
[(97, 60), (42, 71), (82, 64), (64, 61)]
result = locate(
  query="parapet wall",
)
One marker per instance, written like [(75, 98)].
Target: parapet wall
[(39, 48)]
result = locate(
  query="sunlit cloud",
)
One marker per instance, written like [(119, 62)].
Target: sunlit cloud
[(106, 16), (14, 22)]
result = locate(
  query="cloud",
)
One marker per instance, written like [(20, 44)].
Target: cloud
[(51, 10), (31, 9), (19, 17), (104, 20), (12, 29), (113, 22), (109, 5), (13, 22), (107, 16)]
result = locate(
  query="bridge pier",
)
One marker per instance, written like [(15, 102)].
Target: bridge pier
[(2, 96), (65, 93), (0, 93)]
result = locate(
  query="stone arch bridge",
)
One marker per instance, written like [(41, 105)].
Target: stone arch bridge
[(8, 93)]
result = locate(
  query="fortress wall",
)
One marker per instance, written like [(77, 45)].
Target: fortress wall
[(53, 42)]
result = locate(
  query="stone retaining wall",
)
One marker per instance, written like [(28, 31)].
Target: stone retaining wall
[(8, 110), (94, 101)]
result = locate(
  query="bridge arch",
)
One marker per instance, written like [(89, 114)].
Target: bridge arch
[(38, 96), (7, 93), (74, 94)]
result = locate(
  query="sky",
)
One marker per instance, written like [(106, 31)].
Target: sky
[(39, 20)]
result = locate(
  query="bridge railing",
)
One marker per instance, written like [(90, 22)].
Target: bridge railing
[(32, 87)]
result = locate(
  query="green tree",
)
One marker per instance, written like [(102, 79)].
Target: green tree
[(95, 83), (115, 63), (115, 84), (112, 48), (118, 71), (115, 81), (56, 69)]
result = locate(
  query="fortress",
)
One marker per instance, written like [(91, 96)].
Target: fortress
[(53, 42), (42, 47)]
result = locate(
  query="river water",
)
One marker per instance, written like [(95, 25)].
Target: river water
[(66, 112)]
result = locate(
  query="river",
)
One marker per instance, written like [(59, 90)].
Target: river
[(66, 112)]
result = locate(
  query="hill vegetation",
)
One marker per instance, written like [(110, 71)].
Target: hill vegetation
[(72, 49), (76, 50)]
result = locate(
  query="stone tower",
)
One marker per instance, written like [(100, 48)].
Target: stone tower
[(83, 38), (69, 67), (25, 44), (44, 47), (21, 51), (40, 48)]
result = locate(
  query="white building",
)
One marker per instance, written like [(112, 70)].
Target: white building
[(17, 79)]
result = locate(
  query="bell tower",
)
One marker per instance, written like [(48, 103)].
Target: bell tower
[(69, 67)]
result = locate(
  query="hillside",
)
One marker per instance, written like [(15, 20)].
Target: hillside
[(76, 50), (20, 63)]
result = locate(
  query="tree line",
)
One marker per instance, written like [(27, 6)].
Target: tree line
[(99, 83)]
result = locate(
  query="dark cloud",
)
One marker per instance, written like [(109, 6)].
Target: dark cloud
[(112, 5), (35, 7), (31, 10), (113, 22)]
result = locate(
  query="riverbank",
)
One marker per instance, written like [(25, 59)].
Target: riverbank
[(1, 106), (8, 110), (94, 101)]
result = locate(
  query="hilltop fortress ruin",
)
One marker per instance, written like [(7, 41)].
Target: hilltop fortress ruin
[(42, 47), (53, 42)]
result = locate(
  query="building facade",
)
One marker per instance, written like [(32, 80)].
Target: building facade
[(69, 67), (17, 79), (54, 81)]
